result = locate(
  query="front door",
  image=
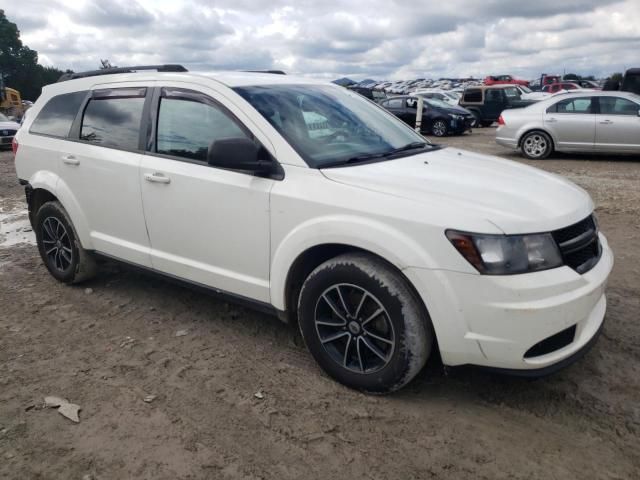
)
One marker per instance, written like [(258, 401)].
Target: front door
[(618, 125), (207, 225)]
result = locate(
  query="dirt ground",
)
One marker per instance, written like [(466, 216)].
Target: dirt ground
[(108, 344)]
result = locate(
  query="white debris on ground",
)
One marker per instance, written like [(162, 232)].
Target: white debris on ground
[(15, 228)]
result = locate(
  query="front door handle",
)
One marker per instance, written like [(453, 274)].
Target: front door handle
[(156, 178), (70, 160)]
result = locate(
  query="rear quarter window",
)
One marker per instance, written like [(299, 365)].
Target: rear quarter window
[(473, 96), (56, 117)]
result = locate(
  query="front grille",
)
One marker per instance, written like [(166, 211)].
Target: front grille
[(552, 343), (579, 244)]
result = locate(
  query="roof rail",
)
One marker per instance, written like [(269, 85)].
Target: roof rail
[(112, 70), (275, 72)]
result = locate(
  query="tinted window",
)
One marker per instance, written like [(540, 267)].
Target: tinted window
[(186, 127), (58, 114), (493, 96), (572, 105), (394, 103), (473, 96), (112, 118), (618, 106)]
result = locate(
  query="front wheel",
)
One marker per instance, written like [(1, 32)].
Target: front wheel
[(363, 324), (439, 128), (536, 145)]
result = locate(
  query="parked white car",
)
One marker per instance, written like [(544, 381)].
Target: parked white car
[(441, 95), (380, 245), (580, 120), (8, 129)]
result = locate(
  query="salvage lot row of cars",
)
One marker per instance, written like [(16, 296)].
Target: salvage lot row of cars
[(536, 123)]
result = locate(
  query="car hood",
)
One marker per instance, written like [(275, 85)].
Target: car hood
[(514, 197), (9, 126)]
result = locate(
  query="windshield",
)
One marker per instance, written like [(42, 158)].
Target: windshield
[(3, 118), (330, 126)]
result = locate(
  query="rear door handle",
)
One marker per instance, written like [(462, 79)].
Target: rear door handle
[(70, 160), (606, 122), (551, 120), (156, 178)]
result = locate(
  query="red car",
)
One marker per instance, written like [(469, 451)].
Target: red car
[(504, 79), (556, 87)]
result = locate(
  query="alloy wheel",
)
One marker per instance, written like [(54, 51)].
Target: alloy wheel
[(535, 145), (57, 244), (439, 128), (354, 328)]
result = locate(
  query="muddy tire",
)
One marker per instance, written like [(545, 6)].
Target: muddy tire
[(363, 324), (59, 246)]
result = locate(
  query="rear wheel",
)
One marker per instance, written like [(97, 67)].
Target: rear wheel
[(363, 324), (59, 246), (439, 128), (536, 145)]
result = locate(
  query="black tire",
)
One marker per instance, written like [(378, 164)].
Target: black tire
[(477, 119), (59, 246), (403, 324), (536, 145), (439, 128)]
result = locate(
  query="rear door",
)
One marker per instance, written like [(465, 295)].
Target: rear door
[(618, 125), (572, 123), (100, 168)]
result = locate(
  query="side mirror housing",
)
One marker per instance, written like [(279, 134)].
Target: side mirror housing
[(238, 154)]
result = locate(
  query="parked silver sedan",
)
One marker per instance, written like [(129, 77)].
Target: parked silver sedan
[(593, 121)]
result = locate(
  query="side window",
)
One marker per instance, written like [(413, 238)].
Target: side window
[(57, 116), (473, 96), (618, 106), (572, 105), (493, 96), (394, 103), (188, 122), (112, 118)]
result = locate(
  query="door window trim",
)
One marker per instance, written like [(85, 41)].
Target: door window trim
[(153, 114), (102, 93)]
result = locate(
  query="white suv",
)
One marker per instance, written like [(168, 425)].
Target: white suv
[(382, 246)]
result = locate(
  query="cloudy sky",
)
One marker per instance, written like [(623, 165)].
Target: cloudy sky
[(390, 39)]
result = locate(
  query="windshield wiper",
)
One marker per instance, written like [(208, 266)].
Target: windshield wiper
[(408, 146), (370, 156)]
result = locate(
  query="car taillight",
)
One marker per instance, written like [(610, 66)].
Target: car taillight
[(501, 120), (14, 145)]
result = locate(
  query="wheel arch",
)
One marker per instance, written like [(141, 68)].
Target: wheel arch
[(46, 186), (527, 131)]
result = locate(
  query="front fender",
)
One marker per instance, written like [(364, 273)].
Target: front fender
[(370, 235)]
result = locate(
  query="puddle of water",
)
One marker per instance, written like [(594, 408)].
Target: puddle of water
[(15, 229)]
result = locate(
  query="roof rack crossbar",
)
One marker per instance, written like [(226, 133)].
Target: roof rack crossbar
[(112, 70)]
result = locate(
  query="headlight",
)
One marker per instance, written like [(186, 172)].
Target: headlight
[(455, 117), (507, 254)]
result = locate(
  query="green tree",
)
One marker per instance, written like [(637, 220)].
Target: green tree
[(616, 77), (19, 64)]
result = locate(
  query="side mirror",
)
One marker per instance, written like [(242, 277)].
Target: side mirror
[(237, 154)]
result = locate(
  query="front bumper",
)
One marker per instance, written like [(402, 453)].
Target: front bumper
[(493, 321)]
